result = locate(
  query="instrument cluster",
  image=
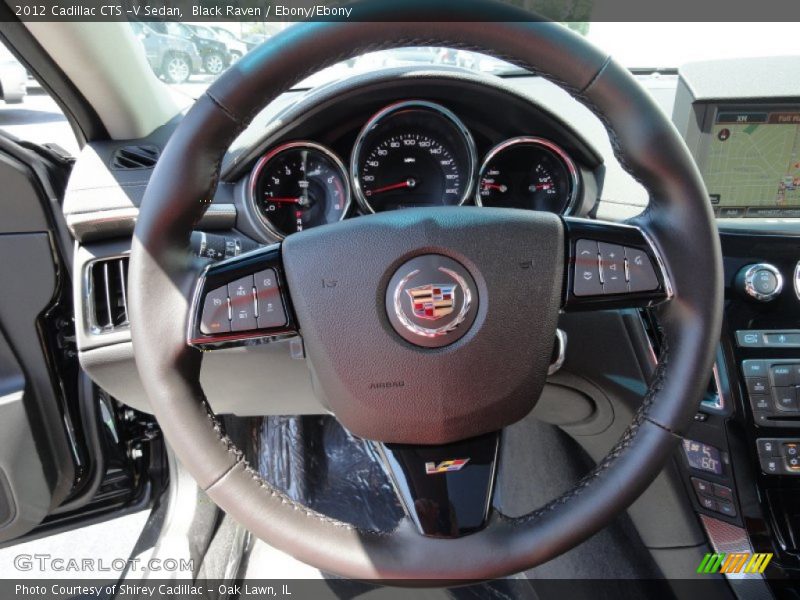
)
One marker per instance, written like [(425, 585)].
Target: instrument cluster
[(412, 153)]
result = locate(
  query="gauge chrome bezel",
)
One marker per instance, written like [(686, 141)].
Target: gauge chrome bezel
[(560, 153), (273, 153), (375, 120)]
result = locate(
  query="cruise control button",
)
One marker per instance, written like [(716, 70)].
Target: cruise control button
[(612, 268), (215, 312), (641, 275), (757, 385), (587, 275), (270, 306), (243, 306)]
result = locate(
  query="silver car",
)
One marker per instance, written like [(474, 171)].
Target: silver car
[(13, 78)]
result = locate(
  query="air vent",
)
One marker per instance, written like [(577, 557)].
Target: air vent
[(108, 281), (135, 157)]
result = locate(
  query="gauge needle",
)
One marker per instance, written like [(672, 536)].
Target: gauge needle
[(408, 183), (541, 186), (494, 186), (285, 200)]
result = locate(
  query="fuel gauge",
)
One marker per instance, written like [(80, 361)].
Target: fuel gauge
[(529, 173)]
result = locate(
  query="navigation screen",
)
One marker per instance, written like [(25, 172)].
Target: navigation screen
[(752, 168)]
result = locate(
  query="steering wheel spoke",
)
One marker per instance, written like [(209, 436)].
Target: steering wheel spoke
[(446, 490), (612, 265), (241, 301)]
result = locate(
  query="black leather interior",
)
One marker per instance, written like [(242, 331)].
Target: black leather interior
[(162, 274)]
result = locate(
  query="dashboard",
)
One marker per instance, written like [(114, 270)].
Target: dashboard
[(412, 153)]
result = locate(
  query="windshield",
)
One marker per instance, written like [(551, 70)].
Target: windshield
[(645, 46)]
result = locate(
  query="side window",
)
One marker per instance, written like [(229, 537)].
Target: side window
[(27, 111)]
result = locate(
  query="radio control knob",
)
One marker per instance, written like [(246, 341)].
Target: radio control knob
[(761, 281)]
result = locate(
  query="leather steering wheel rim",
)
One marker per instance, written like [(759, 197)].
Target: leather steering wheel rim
[(163, 272)]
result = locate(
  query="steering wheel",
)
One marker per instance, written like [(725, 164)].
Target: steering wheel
[(440, 335)]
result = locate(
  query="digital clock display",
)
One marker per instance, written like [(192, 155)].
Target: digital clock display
[(703, 457)]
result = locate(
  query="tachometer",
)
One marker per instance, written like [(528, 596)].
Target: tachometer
[(413, 153), (299, 185), (530, 173)]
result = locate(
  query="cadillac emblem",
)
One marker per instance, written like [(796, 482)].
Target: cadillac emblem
[(431, 300)]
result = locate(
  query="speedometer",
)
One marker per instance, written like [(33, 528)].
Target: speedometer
[(413, 153)]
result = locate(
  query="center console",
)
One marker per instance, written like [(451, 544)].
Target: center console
[(741, 459)]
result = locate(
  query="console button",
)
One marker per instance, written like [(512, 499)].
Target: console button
[(754, 368), (723, 492), (243, 306), (760, 403), (641, 275), (749, 339), (771, 465), (782, 375), (708, 503), (757, 385), (612, 268), (726, 508), (785, 398), (767, 447), (790, 451), (701, 486), (587, 273), (782, 338), (214, 318), (270, 306)]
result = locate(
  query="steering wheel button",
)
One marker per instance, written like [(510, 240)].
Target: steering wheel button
[(641, 275), (215, 312), (271, 313), (243, 310), (612, 268), (587, 272)]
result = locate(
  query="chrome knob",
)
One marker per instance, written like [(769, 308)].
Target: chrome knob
[(761, 281)]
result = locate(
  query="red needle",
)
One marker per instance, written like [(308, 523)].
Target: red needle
[(395, 186), (284, 200), (493, 186)]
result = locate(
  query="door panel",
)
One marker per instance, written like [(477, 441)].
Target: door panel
[(37, 457)]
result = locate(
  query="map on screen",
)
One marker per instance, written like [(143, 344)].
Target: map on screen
[(752, 168)]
